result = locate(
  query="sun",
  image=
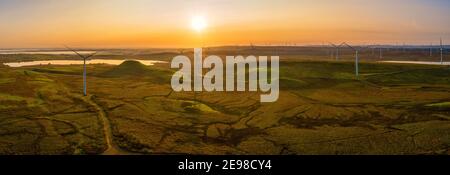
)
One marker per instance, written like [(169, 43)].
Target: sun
[(198, 23)]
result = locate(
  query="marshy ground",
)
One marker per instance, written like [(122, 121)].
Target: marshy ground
[(131, 109)]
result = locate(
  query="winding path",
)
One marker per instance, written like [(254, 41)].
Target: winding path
[(112, 149)]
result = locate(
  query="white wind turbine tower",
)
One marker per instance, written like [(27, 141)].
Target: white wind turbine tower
[(330, 51), (85, 57), (373, 50), (381, 53), (325, 49), (403, 48), (431, 49), (441, 51)]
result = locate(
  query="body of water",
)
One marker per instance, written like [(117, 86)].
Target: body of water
[(418, 62), (76, 62)]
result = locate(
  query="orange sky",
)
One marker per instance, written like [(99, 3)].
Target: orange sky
[(146, 23)]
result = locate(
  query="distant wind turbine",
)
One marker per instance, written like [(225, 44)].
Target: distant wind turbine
[(373, 51), (85, 57), (441, 51), (337, 49), (252, 46), (356, 57), (404, 46), (381, 53), (325, 49), (431, 49)]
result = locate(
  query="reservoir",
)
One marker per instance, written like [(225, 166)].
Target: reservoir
[(418, 62), (76, 62)]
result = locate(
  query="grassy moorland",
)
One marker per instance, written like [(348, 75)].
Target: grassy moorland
[(323, 109)]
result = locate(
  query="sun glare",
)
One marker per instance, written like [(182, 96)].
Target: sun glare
[(198, 23)]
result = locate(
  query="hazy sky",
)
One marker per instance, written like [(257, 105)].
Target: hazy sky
[(157, 23)]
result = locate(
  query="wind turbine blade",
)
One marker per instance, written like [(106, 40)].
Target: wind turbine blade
[(332, 44), (91, 55), (75, 52), (344, 43)]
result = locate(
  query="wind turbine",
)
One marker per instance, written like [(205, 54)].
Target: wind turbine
[(85, 57), (431, 49), (330, 51), (381, 53), (356, 57), (403, 48), (252, 46), (323, 48), (441, 51), (337, 50), (373, 51)]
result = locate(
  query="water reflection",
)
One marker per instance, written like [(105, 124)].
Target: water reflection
[(76, 62), (418, 62)]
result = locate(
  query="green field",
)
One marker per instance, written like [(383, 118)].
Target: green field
[(322, 109)]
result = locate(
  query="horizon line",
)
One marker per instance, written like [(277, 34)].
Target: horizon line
[(219, 46)]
